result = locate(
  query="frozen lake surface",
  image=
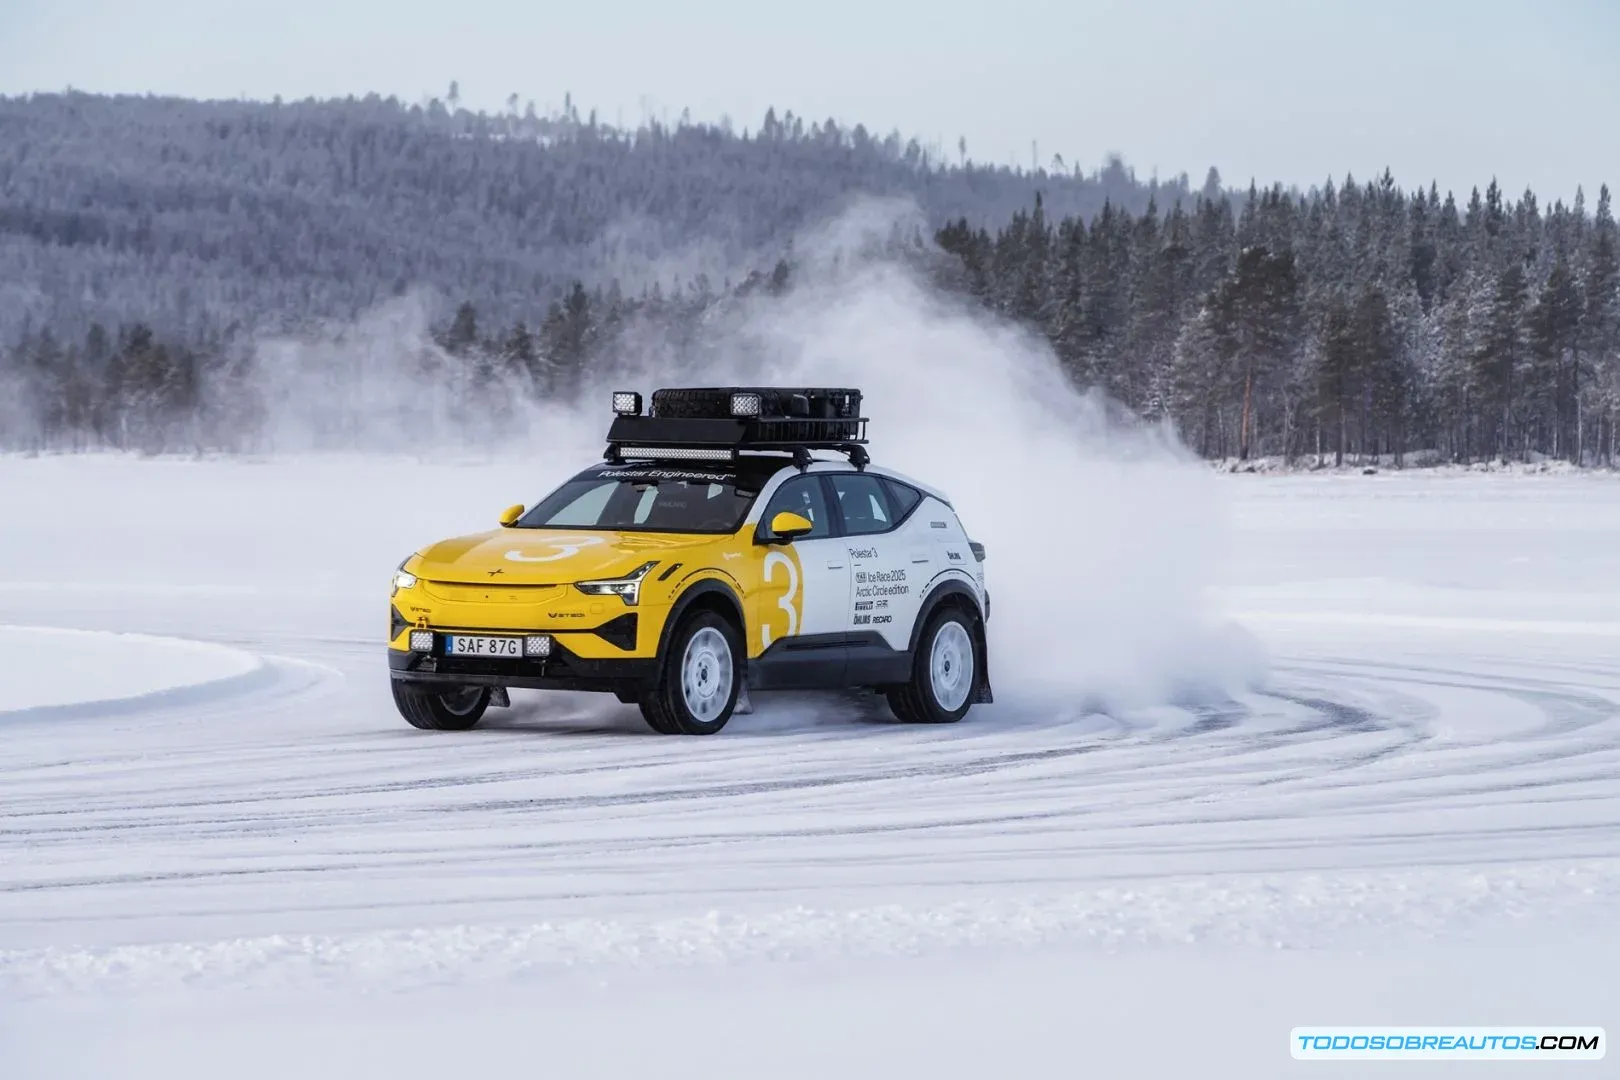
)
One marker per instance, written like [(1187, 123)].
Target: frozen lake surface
[(222, 852)]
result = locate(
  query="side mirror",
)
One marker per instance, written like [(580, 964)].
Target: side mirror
[(788, 526), (511, 514)]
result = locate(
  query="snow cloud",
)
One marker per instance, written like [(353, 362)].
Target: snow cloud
[(1103, 534)]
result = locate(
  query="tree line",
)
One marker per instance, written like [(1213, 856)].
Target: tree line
[(1353, 320)]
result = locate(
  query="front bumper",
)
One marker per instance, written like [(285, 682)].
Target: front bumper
[(562, 670)]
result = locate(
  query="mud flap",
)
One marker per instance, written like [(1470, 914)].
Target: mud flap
[(498, 698), (981, 691), (744, 705)]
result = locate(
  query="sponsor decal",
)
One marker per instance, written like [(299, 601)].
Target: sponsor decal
[(938, 525), (863, 553), (863, 605), (882, 618), (642, 472), (956, 556)]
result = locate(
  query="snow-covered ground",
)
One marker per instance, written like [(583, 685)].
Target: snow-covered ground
[(1411, 816), (138, 671)]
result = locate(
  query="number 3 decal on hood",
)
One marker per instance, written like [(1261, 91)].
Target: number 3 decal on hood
[(563, 547)]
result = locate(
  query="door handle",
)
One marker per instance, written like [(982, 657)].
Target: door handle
[(834, 564)]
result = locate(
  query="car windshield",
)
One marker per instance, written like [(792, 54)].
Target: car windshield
[(643, 498)]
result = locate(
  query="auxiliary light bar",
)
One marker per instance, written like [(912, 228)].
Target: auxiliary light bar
[(678, 453)]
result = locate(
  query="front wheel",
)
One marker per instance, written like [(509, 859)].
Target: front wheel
[(701, 677), (944, 673), (458, 708)]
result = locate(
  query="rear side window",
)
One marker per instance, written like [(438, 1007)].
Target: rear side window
[(864, 503), (902, 498)]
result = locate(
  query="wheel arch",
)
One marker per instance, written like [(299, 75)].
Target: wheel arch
[(954, 592), (957, 593), (709, 594)]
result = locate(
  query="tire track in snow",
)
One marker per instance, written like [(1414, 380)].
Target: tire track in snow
[(307, 805)]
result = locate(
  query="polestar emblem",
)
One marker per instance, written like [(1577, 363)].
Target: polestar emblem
[(495, 571)]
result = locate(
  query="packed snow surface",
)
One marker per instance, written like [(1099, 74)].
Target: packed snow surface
[(87, 672), (1398, 803)]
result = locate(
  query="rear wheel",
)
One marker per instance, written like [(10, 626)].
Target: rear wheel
[(944, 673), (458, 708), (701, 676)]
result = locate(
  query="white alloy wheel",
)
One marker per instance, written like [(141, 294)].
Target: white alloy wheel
[(950, 665), (706, 674)]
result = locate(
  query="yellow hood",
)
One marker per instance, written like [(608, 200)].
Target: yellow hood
[(546, 556)]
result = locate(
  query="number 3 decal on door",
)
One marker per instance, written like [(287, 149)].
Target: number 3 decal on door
[(786, 601)]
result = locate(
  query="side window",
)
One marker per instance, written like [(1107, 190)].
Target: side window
[(901, 497), (864, 503), (802, 495)]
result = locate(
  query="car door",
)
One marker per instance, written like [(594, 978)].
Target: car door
[(805, 583), (886, 570)]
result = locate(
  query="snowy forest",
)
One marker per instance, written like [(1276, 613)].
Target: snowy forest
[(155, 254)]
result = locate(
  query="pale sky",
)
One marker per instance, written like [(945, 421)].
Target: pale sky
[(1289, 90)]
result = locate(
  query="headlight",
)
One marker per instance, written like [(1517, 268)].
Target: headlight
[(627, 588), (403, 579)]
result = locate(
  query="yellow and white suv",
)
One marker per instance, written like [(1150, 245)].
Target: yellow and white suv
[(711, 553)]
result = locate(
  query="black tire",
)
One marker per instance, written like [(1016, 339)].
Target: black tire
[(920, 700), (457, 709), (716, 665), (655, 715)]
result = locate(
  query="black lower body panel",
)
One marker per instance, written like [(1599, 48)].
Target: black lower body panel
[(829, 662)]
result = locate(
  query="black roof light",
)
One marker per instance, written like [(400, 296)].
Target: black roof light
[(626, 403)]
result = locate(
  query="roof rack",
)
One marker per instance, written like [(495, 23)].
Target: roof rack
[(718, 423)]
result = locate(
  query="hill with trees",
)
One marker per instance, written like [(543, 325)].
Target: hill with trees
[(153, 253)]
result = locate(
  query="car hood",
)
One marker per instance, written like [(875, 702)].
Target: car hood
[(546, 556)]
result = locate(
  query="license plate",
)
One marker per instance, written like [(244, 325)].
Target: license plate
[(462, 645)]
